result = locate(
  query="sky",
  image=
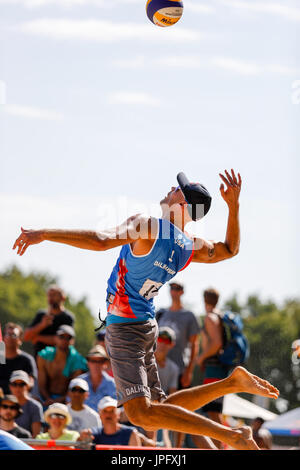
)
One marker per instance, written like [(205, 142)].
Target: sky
[(100, 109)]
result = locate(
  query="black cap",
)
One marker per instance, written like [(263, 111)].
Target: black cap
[(196, 195)]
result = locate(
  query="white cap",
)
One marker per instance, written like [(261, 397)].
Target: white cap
[(107, 401), (81, 383), (20, 375)]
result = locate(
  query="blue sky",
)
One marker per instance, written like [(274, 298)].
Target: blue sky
[(103, 108)]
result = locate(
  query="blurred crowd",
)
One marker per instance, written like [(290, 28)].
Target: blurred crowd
[(56, 393)]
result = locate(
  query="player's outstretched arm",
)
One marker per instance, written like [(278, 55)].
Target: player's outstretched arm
[(211, 251), (134, 228)]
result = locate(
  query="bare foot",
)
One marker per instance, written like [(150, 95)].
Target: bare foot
[(243, 439), (244, 381)]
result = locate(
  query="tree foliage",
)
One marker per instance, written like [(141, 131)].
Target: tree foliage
[(22, 295), (271, 330)]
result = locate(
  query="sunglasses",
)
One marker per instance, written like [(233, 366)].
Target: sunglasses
[(11, 335), (57, 415), (9, 407), (65, 337), (78, 390), (97, 361), (164, 339), (18, 384)]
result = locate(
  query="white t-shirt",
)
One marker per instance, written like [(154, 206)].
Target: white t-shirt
[(86, 418)]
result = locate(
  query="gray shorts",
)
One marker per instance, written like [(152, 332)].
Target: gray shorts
[(131, 351)]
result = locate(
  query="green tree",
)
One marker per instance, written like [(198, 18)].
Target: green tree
[(271, 331), (21, 295)]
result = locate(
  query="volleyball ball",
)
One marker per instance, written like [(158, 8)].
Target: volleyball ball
[(164, 12)]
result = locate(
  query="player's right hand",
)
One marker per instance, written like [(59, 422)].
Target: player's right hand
[(27, 238)]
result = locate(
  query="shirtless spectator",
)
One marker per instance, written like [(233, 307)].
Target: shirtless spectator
[(58, 365), (16, 359), (41, 332)]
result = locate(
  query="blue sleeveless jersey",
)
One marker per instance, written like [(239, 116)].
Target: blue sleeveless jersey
[(136, 279)]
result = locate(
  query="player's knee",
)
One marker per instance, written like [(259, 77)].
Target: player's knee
[(138, 412)]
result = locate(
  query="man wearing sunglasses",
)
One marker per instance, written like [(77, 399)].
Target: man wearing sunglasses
[(9, 411), (153, 251), (82, 415), (99, 382), (32, 411)]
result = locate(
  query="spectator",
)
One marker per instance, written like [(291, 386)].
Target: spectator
[(100, 340), (42, 330), (262, 436), (32, 411), (58, 418), (9, 411), (112, 432), (186, 327), (100, 383), (212, 341), (15, 358), (168, 371), (82, 415), (59, 364)]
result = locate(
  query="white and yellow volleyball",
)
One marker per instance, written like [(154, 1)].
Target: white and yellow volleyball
[(164, 12)]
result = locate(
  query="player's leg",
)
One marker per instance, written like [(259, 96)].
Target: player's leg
[(157, 394), (142, 412), (240, 380)]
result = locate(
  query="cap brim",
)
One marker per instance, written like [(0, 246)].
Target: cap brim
[(182, 180)]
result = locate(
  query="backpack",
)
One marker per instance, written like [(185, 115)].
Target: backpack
[(236, 348)]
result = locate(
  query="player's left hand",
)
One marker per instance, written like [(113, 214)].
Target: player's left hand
[(233, 187), (27, 238)]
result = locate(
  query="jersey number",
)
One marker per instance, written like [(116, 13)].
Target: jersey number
[(150, 289)]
